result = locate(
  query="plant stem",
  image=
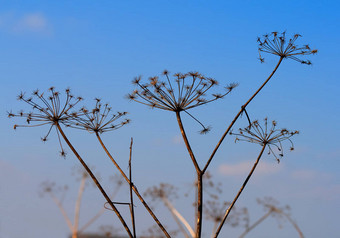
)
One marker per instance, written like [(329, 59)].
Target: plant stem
[(133, 187), (179, 217), (294, 224), (192, 156), (77, 207), (261, 219), (240, 191), (95, 180), (131, 195), (239, 114), (199, 211), (63, 212)]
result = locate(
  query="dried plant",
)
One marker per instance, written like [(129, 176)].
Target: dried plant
[(51, 111), (177, 93), (180, 96), (98, 120)]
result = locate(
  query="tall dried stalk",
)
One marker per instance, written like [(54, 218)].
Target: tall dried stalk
[(132, 210), (77, 207)]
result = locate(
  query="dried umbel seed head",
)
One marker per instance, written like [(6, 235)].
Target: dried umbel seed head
[(47, 110), (162, 191), (98, 120), (266, 135), (278, 44), (215, 211), (273, 206), (180, 93)]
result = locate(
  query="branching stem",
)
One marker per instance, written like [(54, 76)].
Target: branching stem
[(199, 211), (238, 115)]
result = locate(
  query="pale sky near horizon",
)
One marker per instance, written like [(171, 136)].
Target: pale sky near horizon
[(97, 47)]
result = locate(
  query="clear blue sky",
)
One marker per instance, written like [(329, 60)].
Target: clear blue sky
[(97, 47)]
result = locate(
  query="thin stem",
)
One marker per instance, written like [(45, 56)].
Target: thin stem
[(238, 115), (176, 214), (192, 156), (63, 212), (133, 187), (95, 181), (214, 229), (261, 219), (240, 191), (294, 224), (77, 207), (199, 216), (131, 195)]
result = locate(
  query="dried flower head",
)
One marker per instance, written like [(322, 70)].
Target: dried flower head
[(215, 212), (51, 188), (277, 44), (49, 110), (183, 92), (98, 120), (278, 212), (163, 190), (266, 135)]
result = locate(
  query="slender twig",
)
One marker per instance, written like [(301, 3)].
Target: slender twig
[(77, 207), (177, 215), (294, 225), (133, 187), (240, 191), (63, 212), (238, 115), (94, 180), (261, 219), (132, 210)]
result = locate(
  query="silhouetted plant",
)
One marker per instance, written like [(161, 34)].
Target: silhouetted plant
[(53, 112), (177, 93), (187, 91)]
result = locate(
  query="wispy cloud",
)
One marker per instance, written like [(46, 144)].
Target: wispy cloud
[(27, 23), (310, 175), (243, 168)]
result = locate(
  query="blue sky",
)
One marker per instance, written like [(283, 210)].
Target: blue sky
[(97, 47)]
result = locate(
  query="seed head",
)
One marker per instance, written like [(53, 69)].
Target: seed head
[(98, 120), (266, 135), (181, 93), (278, 44), (50, 110)]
